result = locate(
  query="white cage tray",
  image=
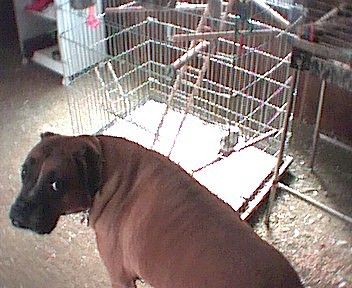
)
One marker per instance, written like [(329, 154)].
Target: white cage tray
[(233, 179)]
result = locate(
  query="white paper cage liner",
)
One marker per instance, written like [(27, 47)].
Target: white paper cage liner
[(233, 179)]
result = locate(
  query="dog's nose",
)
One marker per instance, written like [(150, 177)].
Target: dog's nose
[(16, 215), (18, 221)]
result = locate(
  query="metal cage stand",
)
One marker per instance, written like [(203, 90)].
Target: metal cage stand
[(290, 101)]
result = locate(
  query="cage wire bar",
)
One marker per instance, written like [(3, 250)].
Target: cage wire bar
[(240, 77)]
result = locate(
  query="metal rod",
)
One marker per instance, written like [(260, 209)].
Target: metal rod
[(317, 122), (276, 175), (335, 142), (253, 204), (316, 203)]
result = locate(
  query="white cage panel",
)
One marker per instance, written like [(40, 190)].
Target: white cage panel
[(81, 46)]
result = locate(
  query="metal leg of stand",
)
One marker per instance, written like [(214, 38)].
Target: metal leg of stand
[(273, 190), (316, 203), (317, 122)]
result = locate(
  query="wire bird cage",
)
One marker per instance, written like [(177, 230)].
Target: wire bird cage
[(178, 80)]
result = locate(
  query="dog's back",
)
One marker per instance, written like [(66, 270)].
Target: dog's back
[(172, 232)]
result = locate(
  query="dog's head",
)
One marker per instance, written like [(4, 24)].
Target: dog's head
[(60, 175)]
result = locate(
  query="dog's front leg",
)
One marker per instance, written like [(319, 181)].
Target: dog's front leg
[(124, 284), (120, 278)]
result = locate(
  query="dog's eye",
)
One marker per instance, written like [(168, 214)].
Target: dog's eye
[(23, 173), (55, 186)]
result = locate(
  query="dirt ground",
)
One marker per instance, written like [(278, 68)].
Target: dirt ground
[(318, 245)]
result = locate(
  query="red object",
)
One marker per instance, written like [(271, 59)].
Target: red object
[(242, 43), (92, 19), (38, 5), (312, 32)]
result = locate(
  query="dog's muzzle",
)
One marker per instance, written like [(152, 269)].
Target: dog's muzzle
[(22, 216)]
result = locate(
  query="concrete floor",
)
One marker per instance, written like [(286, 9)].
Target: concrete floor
[(32, 100)]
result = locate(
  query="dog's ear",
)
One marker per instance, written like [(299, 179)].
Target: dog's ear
[(89, 162), (47, 134)]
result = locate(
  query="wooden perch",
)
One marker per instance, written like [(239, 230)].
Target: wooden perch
[(284, 23), (182, 65), (323, 51), (215, 35), (195, 49), (332, 28), (189, 55), (333, 12), (130, 7)]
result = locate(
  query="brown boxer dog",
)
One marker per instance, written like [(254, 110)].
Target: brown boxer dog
[(152, 220)]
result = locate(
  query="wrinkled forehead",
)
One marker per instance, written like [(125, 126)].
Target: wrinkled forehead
[(50, 154)]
